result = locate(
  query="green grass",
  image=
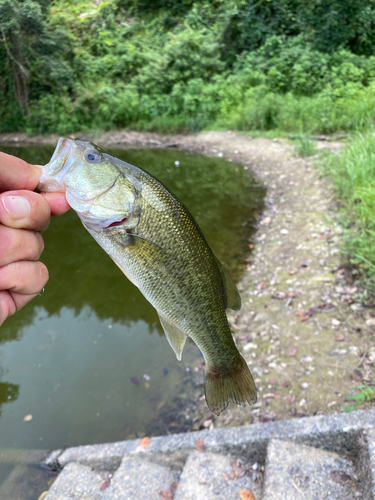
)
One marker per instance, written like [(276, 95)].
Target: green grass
[(364, 395), (304, 146), (353, 172)]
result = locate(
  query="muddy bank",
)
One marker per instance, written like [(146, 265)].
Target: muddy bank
[(308, 340)]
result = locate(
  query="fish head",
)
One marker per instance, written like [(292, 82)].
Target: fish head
[(102, 190)]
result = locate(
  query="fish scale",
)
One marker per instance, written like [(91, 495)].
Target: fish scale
[(158, 245)]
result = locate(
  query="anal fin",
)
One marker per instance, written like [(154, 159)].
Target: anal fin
[(174, 335)]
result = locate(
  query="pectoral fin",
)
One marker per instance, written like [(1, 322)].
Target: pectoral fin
[(175, 336), (233, 299)]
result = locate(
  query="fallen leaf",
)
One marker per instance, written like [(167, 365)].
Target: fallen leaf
[(293, 271), (199, 445), (357, 376), (27, 418), (173, 424), (173, 487), (145, 442), (339, 476), (160, 404), (311, 311), (339, 337), (293, 351), (304, 318), (291, 294), (104, 485), (246, 495), (300, 313), (326, 308), (238, 468), (269, 395), (290, 399), (165, 495)]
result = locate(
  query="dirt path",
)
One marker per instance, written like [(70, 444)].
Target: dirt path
[(307, 340)]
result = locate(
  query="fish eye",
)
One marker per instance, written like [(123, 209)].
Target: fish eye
[(92, 156)]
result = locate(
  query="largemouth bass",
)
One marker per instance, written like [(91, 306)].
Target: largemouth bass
[(157, 244)]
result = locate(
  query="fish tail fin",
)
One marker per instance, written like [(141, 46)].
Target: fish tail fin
[(236, 385)]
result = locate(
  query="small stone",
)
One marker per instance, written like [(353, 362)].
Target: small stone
[(304, 385), (284, 231), (250, 345), (335, 322)]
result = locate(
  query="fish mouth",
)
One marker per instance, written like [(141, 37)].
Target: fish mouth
[(117, 223), (60, 163)]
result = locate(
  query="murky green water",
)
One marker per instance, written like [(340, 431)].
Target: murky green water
[(88, 359)]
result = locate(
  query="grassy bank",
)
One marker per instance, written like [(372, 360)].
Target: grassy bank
[(353, 172)]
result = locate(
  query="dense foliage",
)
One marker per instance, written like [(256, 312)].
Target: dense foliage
[(184, 65)]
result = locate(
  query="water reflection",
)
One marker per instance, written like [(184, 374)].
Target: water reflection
[(89, 334)]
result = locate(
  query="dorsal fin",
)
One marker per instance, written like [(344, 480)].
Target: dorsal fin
[(233, 299), (174, 335)]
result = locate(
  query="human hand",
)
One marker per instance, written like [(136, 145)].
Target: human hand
[(24, 215)]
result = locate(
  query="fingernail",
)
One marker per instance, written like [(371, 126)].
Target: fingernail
[(17, 207)]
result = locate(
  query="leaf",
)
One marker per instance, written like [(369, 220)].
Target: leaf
[(246, 495), (145, 442), (293, 351), (173, 487), (165, 495), (160, 404), (199, 445), (339, 337), (104, 485)]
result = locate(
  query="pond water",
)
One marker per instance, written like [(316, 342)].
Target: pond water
[(88, 359)]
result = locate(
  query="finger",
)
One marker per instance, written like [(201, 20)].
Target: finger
[(24, 209), (57, 203), (26, 278), (19, 244), (17, 174), (11, 303)]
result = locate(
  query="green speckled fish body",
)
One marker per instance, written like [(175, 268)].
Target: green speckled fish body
[(156, 242)]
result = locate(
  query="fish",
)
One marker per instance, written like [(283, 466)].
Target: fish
[(155, 241)]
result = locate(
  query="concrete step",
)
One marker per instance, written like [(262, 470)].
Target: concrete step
[(294, 471), (136, 478), (220, 477)]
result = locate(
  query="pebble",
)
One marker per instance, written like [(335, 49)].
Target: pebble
[(248, 346)]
